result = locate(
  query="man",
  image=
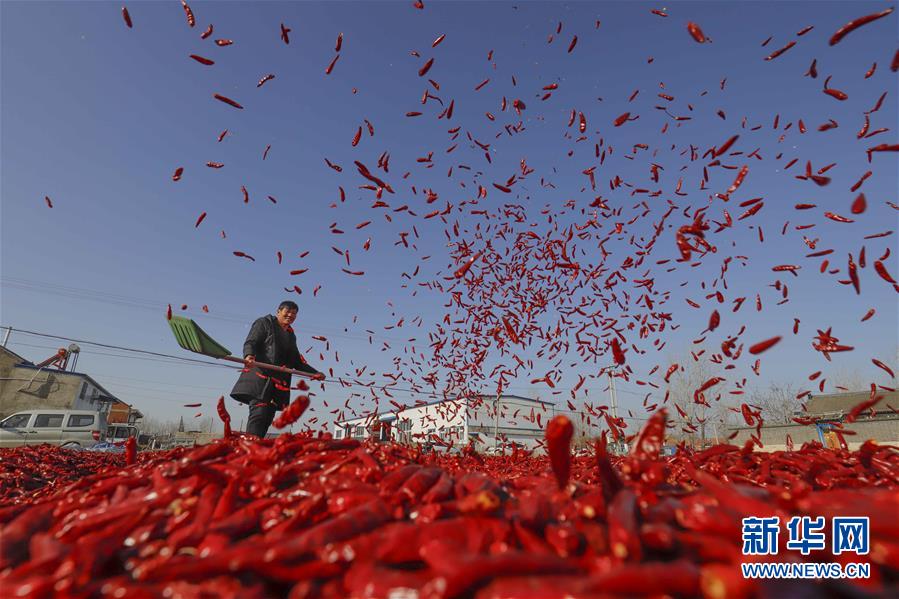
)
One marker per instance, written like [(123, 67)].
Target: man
[(271, 339)]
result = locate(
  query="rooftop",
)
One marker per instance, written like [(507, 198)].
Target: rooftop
[(837, 404), (391, 416)]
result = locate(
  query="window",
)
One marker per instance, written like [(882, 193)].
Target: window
[(83, 390), (120, 432), (16, 421), (359, 432), (80, 420), (338, 434), (48, 421)]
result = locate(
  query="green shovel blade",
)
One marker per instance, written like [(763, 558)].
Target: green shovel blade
[(192, 338)]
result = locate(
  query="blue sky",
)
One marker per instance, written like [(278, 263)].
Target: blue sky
[(98, 116)]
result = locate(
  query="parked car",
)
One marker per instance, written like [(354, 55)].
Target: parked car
[(119, 433), (67, 428)]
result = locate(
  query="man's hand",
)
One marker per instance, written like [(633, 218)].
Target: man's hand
[(318, 376), (249, 361)]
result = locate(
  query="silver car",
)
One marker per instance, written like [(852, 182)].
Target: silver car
[(67, 428)]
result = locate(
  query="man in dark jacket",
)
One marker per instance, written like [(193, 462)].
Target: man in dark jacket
[(271, 340)]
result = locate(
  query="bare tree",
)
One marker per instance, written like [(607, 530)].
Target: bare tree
[(154, 426), (848, 380), (205, 425), (778, 402), (704, 423)]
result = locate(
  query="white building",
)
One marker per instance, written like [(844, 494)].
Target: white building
[(487, 420)]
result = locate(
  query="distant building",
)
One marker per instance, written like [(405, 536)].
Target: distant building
[(25, 386), (488, 422), (828, 413)]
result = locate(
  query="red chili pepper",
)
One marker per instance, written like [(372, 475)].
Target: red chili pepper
[(855, 24), (696, 33), (224, 415), (762, 346), (777, 53), (202, 60), (427, 67), (293, 412), (559, 431), (127, 18), (651, 438), (617, 353), (130, 451), (227, 100)]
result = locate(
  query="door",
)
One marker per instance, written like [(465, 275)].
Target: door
[(13, 430), (79, 429), (47, 429)]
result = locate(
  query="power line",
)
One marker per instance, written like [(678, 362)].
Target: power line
[(171, 362), (153, 305), (340, 381), (118, 347)]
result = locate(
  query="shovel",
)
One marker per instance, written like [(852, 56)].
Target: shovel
[(192, 338)]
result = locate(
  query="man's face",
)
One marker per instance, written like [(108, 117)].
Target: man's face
[(286, 316)]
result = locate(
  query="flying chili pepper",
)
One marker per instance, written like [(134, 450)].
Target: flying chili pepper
[(621, 119), (293, 412), (127, 17), (777, 53), (855, 24), (617, 353), (227, 100), (460, 272), (764, 345), (838, 218), (427, 67), (696, 32), (881, 270), (510, 331), (883, 367), (331, 65)]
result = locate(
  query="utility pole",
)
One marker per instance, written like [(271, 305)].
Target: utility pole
[(496, 422), (613, 397)]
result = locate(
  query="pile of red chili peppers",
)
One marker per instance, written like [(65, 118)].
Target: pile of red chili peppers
[(311, 516)]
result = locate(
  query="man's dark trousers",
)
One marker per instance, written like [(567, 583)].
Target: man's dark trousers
[(261, 416)]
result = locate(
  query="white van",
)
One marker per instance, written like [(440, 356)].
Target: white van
[(68, 428)]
